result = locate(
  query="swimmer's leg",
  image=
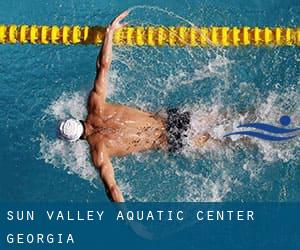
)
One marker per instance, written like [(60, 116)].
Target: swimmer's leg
[(200, 140), (203, 138)]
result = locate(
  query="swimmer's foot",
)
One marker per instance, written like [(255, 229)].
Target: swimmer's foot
[(200, 140)]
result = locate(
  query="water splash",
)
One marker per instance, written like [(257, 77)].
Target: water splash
[(74, 158), (215, 85), (192, 185)]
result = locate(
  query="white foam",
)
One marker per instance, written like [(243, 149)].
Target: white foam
[(68, 105), (216, 121), (211, 188), (72, 157)]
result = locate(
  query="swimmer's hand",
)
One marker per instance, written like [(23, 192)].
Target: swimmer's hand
[(115, 24)]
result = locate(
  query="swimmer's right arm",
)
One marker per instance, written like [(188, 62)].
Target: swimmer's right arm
[(105, 56), (103, 164)]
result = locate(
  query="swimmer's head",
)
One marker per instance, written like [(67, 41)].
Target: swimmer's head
[(70, 130)]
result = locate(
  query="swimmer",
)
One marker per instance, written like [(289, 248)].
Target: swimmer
[(114, 130)]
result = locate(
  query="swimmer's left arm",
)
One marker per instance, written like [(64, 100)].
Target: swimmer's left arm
[(105, 56), (103, 164)]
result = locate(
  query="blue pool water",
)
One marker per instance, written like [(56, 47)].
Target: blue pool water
[(42, 84)]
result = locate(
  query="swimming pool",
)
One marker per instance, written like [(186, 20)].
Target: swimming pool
[(42, 84)]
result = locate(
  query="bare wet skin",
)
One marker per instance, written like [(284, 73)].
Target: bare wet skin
[(124, 130)]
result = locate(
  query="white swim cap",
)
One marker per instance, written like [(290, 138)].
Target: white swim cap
[(70, 130)]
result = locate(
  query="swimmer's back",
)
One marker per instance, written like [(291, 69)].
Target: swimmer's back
[(126, 130)]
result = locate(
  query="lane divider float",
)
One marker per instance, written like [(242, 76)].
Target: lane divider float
[(152, 35)]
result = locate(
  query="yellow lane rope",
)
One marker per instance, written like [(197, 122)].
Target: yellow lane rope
[(152, 35)]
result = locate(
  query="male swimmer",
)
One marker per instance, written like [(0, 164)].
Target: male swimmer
[(117, 130)]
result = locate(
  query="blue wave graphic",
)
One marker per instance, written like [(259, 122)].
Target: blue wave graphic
[(284, 121), (262, 136), (269, 128)]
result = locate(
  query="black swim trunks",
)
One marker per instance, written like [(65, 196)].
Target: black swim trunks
[(177, 125)]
